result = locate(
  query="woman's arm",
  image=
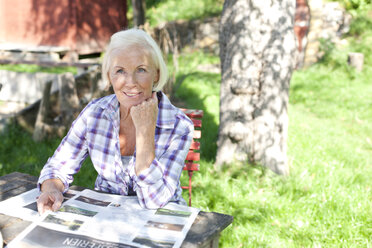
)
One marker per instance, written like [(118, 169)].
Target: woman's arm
[(144, 117), (157, 179), (56, 174), (157, 185)]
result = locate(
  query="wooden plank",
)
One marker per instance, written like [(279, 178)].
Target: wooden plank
[(193, 156), (16, 191), (11, 185), (191, 166), (29, 178), (197, 123), (197, 134), (195, 145), (193, 113), (206, 227), (5, 220), (12, 176), (10, 231), (16, 176)]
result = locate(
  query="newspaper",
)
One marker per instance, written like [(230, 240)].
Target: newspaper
[(92, 219)]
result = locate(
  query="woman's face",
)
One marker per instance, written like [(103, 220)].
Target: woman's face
[(132, 74)]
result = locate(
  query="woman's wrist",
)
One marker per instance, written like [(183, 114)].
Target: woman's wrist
[(52, 185)]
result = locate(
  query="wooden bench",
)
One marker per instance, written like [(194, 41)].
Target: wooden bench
[(194, 153)]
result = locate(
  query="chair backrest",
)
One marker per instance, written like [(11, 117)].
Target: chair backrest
[(194, 153)]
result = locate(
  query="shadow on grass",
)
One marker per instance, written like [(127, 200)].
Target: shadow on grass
[(193, 92), (19, 152)]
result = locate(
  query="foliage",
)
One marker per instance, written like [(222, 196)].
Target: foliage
[(358, 40), (355, 4), (160, 11), (360, 25)]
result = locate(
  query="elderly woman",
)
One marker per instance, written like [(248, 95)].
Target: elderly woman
[(137, 140)]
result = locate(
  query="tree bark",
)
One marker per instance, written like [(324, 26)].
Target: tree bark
[(257, 45), (138, 12)]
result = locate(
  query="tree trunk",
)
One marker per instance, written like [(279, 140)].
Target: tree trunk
[(356, 60), (257, 45), (138, 12)]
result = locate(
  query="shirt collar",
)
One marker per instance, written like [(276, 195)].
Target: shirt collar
[(167, 112)]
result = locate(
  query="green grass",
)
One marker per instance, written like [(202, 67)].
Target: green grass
[(36, 68)]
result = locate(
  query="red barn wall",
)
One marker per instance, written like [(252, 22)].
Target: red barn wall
[(84, 26)]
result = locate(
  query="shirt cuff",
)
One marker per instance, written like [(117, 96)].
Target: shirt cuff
[(148, 176), (52, 176)]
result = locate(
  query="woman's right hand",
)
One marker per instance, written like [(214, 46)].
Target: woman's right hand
[(49, 201), (51, 196)]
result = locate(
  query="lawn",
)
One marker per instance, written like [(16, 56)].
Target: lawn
[(326, 201)]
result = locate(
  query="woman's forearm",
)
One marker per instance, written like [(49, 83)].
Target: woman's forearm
[(145, 150)]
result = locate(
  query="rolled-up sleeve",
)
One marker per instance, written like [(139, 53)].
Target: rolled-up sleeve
[(156, 185), (70, 154)]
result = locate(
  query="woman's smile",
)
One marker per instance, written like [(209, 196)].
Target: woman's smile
[(132, 94)]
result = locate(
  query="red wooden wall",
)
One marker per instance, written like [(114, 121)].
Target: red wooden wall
[(84, 26)]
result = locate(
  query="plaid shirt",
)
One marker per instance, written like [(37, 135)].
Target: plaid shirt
[(96, 132)]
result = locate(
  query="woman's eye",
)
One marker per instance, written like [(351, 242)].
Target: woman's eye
[(141, 70), (119, 71)]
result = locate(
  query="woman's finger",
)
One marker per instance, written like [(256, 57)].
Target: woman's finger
[(58, 198), (42, 202)]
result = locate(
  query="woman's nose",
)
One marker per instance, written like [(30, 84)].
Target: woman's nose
[(130, 79)]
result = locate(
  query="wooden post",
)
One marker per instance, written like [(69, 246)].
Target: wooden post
[(68, 98), (41, 119), (356, 60)]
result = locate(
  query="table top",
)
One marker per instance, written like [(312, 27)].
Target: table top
[(206, 227)]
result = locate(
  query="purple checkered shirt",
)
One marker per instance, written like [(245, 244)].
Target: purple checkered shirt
[(96, 132)]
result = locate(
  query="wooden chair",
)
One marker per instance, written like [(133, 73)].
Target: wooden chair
[(194, 154)]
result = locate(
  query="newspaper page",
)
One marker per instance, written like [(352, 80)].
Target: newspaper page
[(91, 219), (24, 205)]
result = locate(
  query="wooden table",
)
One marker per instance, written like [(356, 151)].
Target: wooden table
[(205, 231)]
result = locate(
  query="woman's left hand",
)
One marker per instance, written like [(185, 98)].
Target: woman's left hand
[(144, 117)]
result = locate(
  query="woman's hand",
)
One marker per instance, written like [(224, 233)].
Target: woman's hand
[(144, 118), (145, 114), (51, 197), (49, 201)]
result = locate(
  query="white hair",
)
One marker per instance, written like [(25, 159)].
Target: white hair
[(134, 37)]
